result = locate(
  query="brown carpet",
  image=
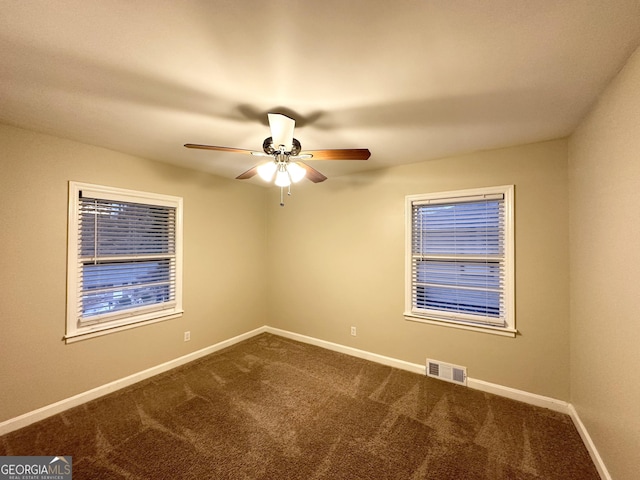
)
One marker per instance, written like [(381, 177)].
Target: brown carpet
[(272, 408)]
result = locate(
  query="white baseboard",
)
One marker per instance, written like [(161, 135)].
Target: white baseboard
[(519, 395), (67, 403), (354, 352), (588, 442), (512, 393)]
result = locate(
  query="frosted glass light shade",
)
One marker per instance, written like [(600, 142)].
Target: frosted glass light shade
[(266, 171), (282, 178), (296, 172)]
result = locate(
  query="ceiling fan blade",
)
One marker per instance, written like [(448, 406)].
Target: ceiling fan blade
[(281, 130), (339, 154), (248, 174), (312, 174), (220, 149)]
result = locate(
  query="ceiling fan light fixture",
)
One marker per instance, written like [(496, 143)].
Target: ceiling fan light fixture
[(267, 170), (283, 152), (296, 172)]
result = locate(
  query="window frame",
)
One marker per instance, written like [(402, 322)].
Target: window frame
[(508, 289), (75, 329)]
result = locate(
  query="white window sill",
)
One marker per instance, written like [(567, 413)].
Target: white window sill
[(504, 332), (100, 330)]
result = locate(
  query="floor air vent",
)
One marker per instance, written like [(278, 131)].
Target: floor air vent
[(446, 371)]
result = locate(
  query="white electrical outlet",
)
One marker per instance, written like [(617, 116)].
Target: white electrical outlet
[(353, 331), (187, 336)]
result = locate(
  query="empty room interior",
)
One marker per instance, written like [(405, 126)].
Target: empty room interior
[(534, 106)]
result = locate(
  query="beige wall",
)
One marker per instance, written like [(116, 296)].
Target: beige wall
[(334, 258), (604, 172), (337, 259), (224, 292)]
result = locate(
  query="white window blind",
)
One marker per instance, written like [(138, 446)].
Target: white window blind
[(459, 261), (127, 257)]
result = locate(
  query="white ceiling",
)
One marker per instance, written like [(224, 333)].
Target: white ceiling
[(409, 79)]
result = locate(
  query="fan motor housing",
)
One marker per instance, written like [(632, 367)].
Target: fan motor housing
[(267, 146)]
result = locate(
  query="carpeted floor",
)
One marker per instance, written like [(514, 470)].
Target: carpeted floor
[(272, 408)]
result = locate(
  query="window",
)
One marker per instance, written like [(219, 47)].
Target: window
[(124, 259), (460, 262)]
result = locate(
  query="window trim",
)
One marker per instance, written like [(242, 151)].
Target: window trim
[(509, 259), (75, 331)]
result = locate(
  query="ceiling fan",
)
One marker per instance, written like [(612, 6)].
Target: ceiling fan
[(284, 153)]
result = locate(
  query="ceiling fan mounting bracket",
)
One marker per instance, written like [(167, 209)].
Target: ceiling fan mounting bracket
[(269, 149)]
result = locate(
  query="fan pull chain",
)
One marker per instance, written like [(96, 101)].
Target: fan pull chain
[(282, 194)]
